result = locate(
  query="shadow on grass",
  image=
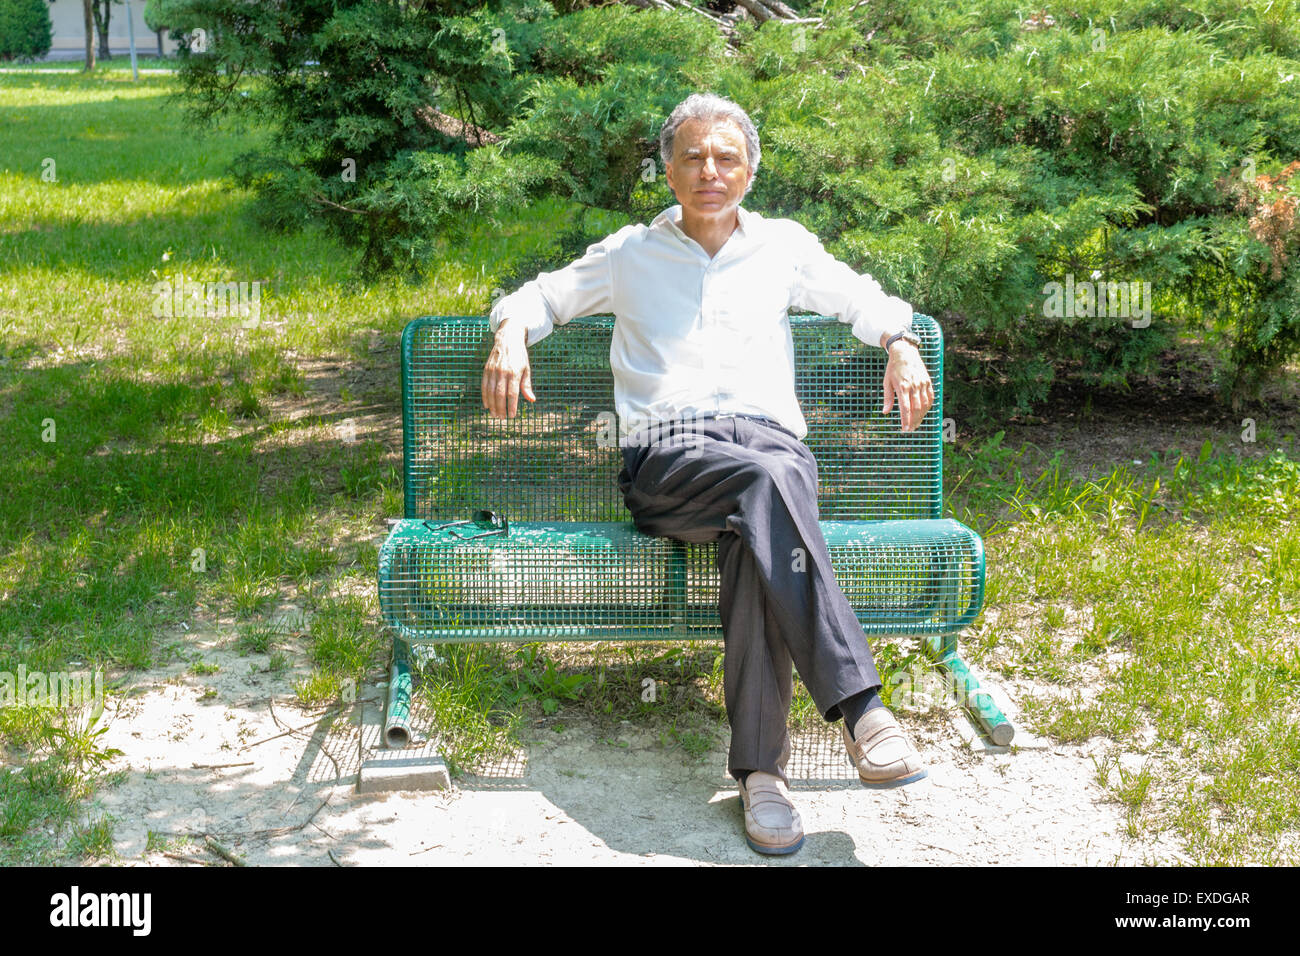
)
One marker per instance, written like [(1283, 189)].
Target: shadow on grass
[(126, 501)]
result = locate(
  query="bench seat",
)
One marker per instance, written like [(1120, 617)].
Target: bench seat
[(576, 580)]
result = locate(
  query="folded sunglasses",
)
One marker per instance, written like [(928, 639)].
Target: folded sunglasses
[(490, 521)]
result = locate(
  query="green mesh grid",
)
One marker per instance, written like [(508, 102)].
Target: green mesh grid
[(603, 580), (574, 567), (558, 459)]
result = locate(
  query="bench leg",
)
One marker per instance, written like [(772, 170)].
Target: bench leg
[(397, 712), (942, 649), (402, 763)]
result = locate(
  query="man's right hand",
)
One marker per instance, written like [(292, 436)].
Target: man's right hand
[(507, 373)]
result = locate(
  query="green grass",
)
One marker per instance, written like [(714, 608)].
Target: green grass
[(200, 468), (94, 840), (478, 695), (41, 812), (118, 64), (259, 636), (153, 473), (1159, 608)]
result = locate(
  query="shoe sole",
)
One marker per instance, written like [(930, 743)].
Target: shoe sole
[(889, 784), (773, 850)]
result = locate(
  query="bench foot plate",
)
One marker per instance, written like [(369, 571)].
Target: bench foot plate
[(387, 770)]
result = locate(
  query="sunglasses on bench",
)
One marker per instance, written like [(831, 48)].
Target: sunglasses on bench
[(490, 521)]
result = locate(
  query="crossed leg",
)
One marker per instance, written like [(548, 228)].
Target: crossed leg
[(752, 488)]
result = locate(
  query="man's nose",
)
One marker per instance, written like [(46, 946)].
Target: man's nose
[(709, 171)]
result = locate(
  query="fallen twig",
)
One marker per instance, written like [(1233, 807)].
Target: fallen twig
[(220, 766), (281, 831), (222, 852), (323, 830), (291, 730), (338, 772), (933, 847)]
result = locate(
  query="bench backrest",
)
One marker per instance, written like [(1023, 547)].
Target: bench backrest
[(558, 460)]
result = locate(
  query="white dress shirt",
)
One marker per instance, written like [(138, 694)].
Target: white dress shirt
[(694, 335)]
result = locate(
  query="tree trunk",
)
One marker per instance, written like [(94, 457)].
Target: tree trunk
[(160, 44), (86, 8), (102, 15), (759, 10)]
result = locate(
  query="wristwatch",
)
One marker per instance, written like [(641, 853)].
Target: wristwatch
[(907, 335)]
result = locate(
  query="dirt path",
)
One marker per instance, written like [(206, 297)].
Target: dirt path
[(569, 797)]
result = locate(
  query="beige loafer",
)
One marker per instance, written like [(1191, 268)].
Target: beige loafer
[(881, 751), (772, 824)]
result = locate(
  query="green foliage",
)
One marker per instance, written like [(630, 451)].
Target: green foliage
[(539, 678), (968, 156), (25, 29), (367, 102), (967, 175), (158, 14), (608, 77)]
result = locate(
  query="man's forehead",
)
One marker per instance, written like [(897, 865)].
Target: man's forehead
[(693, 134)]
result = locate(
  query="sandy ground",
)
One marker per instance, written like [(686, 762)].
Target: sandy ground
[(196, 763)]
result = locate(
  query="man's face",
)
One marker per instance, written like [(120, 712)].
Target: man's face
[(710, 168)]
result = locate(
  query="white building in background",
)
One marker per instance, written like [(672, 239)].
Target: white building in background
[(69, 42)]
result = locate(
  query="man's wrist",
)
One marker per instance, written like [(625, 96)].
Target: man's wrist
[(512, 329), (888, 341), (898, 347)]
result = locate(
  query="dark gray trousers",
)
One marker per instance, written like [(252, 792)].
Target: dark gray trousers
[(751, 486)]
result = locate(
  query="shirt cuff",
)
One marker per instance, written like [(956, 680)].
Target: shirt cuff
[(885, 315), (525, 305)]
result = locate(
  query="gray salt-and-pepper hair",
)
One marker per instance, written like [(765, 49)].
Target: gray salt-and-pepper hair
[(709, 107)]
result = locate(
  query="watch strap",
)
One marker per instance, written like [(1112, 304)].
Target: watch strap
[(906, 335)]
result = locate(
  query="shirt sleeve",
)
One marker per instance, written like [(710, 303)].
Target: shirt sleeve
[(826, 286), (584, 287)]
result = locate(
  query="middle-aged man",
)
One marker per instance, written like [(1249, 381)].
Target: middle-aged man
[(703, 361)]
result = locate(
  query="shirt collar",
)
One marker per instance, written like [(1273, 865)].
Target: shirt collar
[(671, 218)]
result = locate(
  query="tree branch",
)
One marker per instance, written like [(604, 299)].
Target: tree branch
[(761, 12), (356, 212), (469, 133)]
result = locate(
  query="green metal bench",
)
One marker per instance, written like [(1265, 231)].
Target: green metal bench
[(573, 566)]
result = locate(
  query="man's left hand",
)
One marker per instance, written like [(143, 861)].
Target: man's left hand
[(908, 381)]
